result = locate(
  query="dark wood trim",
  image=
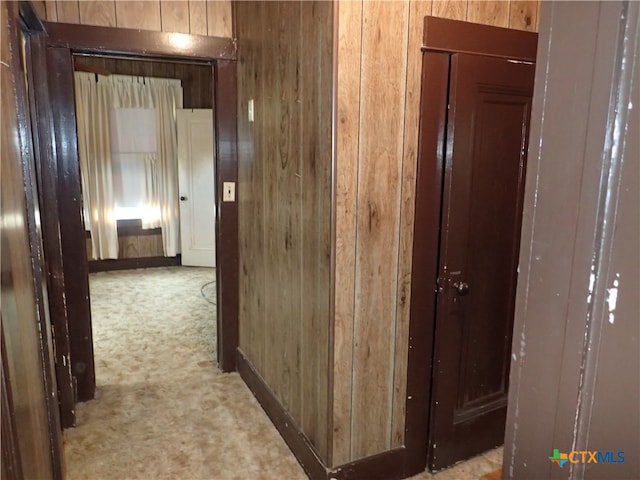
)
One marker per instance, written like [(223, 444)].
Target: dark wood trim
[(286, 425), (65, 40), (74, 249), (227, 251), (133, 263), (454, 36), (46, 172), (22, 17), (106, 40), (390, 465), (30, 20), (426, 238)]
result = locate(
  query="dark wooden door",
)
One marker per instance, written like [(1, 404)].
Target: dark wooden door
[(485, 156)]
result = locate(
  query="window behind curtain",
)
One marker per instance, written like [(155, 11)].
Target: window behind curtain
[(133, 145)]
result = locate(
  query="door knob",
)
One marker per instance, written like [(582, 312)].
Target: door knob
[(462, 288), (183, 198)]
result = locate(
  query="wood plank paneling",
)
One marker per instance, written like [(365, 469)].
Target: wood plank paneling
[(287, 163), (251, 190), (139, 15), (174, 16), (68, 12), (269, 149), (347, 139), (285, 67), (523, 15), (488, 12), (198, 17), (418, 10), (453, 9), (219, 22), (98, 12), (384, 56), (316, 36), (40, 8), (51, 7)]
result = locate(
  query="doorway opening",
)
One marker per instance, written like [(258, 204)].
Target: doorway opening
[(477, 88), (53, 55), (146, 155)]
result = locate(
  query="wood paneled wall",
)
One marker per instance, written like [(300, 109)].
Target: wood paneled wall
[(284, 192), (199, 17), (197, 80), (378, 99)]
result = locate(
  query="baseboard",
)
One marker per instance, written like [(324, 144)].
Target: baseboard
[(133, 263), (391, 465), (286, 425)]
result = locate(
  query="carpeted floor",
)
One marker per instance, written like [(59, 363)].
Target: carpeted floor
[(162, 409)]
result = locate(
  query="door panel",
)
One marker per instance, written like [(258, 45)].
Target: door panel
[(197, 184), (489, 108)]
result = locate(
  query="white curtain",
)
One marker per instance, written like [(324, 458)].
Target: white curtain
[(167, 97), (161, 166), (93, 103)]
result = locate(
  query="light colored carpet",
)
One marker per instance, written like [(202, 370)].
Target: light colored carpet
[(162, 409)]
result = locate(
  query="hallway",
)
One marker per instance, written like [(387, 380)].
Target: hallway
[(162, 408)]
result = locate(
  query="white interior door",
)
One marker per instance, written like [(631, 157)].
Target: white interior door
[(197, 187)]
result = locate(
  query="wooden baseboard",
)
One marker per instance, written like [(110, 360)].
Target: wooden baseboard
[(286, 425), (133, 263), (390, 465)]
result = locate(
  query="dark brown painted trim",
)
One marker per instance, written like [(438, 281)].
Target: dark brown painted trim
[(46, 172), (454, 36), (74, 249), (30, 20), (442, 37), (106, 40), (390, 465), (227, 251), (426, 238), (154, 45), (29, 24), (133, 263), (286, 425)]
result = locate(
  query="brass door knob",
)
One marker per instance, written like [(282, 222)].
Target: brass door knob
[(462, 288)]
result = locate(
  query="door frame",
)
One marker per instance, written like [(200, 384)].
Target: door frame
[(442, 39), (62, 42), (21, 17)]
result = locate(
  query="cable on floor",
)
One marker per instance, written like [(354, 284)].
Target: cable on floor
[(202, 292)]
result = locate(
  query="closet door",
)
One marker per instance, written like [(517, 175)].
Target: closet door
[(487, 129)]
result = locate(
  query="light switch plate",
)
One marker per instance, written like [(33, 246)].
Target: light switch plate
[(228, 192)]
